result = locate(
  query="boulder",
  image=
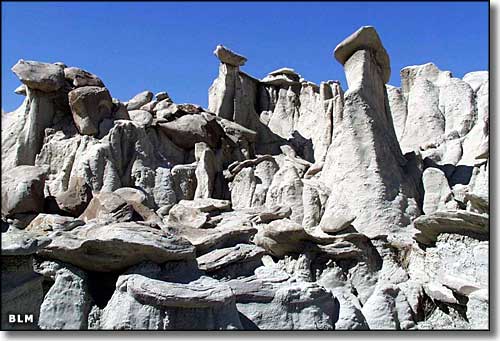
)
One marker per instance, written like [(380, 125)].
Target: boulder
[(188, 130), (23, 190), (224, 235), (139, 100), (337, 223), (89, 106), (184, 178), (108, 206), (188, 216), (39, 76), (75, 199), (79, 77), (132, 195), (142, 117)]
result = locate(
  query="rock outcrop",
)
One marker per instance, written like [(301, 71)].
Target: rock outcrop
[(285, 205)]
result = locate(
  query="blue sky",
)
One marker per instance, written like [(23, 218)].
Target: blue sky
[(168, 46)]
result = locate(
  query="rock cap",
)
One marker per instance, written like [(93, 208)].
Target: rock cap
[(365, 38), (227, 56)]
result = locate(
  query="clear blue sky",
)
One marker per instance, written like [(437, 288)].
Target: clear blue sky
[(168, 46)]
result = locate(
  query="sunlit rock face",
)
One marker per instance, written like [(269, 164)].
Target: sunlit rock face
[(283, 205)]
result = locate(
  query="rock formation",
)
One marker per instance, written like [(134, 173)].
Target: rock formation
[(283, 205)]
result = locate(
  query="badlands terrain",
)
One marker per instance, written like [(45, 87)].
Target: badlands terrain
[(283, 205)]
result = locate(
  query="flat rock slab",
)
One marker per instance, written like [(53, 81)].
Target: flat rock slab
[(44, 223), (206, 240), (207, 204), (198, 294), (39, 76), (20, 243), (116, 246), (227, 56), (221, 258), (459, 222)]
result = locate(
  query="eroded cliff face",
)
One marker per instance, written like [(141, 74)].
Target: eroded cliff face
[(283, 205)]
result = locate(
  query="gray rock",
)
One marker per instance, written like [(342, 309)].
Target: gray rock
[(478, 310), (23, 190), (241, 259), (272, 302), (142, 117), (21, 287), (337, 223), (206, 169), (386, 309), (160, 96), (207, 204), (438, 194), (23, 130), (399, 111), (116, 246), (109, 207), (89, 106), (224, 235), (459, 222), (132, 195), (67, 303), (233, 96), (265, 215), (139, 100), (361, 183), (39, 76), (227, 56), (184, 178), (76, 198), (188, 130), (44, 223), (187, 216), (438, 292), (17, 243), (79, 77)]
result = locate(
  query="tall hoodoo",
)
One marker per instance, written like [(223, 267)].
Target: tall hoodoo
[(365, 168)]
